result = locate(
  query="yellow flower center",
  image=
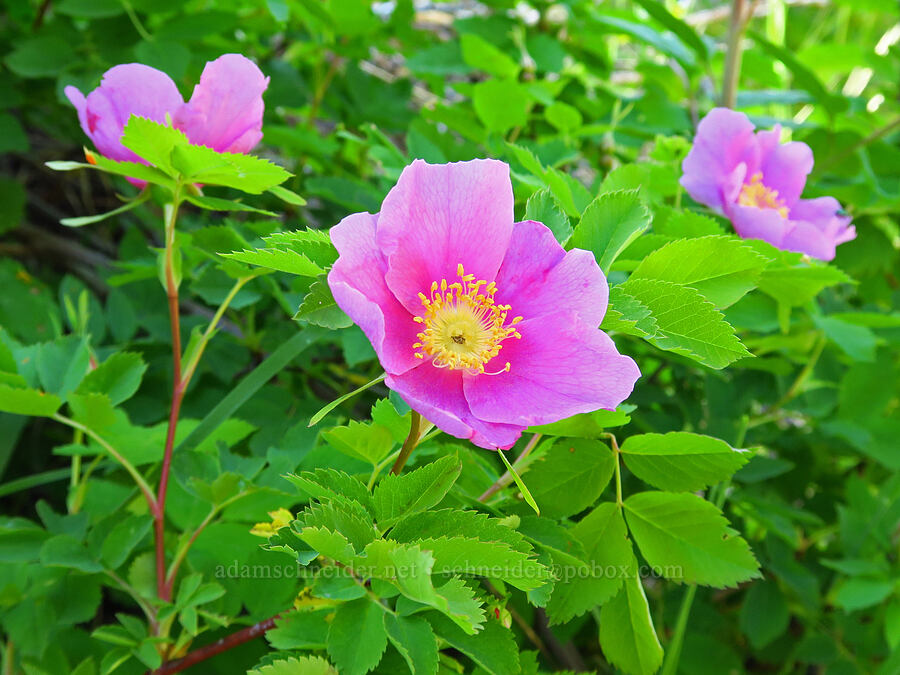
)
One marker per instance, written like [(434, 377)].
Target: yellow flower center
[(756, 194), (463, 326)]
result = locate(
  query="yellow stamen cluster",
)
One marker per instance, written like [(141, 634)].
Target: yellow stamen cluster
[(756, 194), (463, 326)]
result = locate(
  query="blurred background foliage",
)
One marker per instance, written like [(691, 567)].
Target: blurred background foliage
[(602, 93)]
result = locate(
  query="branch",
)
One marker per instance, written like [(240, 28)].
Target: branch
[(217, 647)]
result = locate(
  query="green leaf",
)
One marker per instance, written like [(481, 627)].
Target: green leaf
[(585, 425), (681, 461), (66, 551), (804, 78), (89, 220), (571, 476), (92, 410), (683, 30), (608, 552), (627, 636), (399, 496), (366, 441), (320, 309), (320, 415), (122, 539), (688, 324), (62, 364), (128, 169), (462, 555), (610, 222), (860, 592), (286, 195), (543, 207), (252, 383), (325, 484), (119, 377), (333, 545), (526, 493), (481, 54), (688, 539), (347, 517), (795, 286), (153, 142), (454, 522), (357, 637), (277, 259), (297, 665), (626, 314), (858, 342), (494, 648), (501, 104), (722, 268), (414, 639), (299, 630), (217, 204), (28, 401), (764, 615)]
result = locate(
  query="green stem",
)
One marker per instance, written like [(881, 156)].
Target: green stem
[(618, 454), (412, 440), (148, 610), (128, 466), (184, 548), (732, 72), (673, 649), (380, 467), (191, 365)]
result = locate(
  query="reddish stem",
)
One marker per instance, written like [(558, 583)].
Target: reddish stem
[(216, 647), (164, 589)]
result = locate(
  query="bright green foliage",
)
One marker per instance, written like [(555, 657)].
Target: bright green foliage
[(570, 476), (357, 637), (681, 461), (287, 430), (607, 556), (687, 323), (610, 222), (721, 268), (399, 496), (627, 636), (688, 539)]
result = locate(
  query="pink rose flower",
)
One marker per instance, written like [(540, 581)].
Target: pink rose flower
[(224, 113), (756, 182), (483, 325)]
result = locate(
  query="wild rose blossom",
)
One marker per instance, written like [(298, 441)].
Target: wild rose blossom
[(756, 182), (224, 113), (484, 326)]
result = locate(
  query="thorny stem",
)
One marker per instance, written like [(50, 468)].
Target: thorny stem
[(739, 19), (217, 647), (129, 467), (177, 393), (507, 478), (412, 440)]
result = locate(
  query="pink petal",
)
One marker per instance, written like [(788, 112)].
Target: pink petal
[(785, 166), (437, 394), (128, 89), (724, 140), (560, 367), (226, 109), (818, 228), (539, 277), (753, 223), (357, 282), (441, 215)]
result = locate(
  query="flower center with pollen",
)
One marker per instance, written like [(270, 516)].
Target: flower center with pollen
[(463, 326), (756, 194)]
